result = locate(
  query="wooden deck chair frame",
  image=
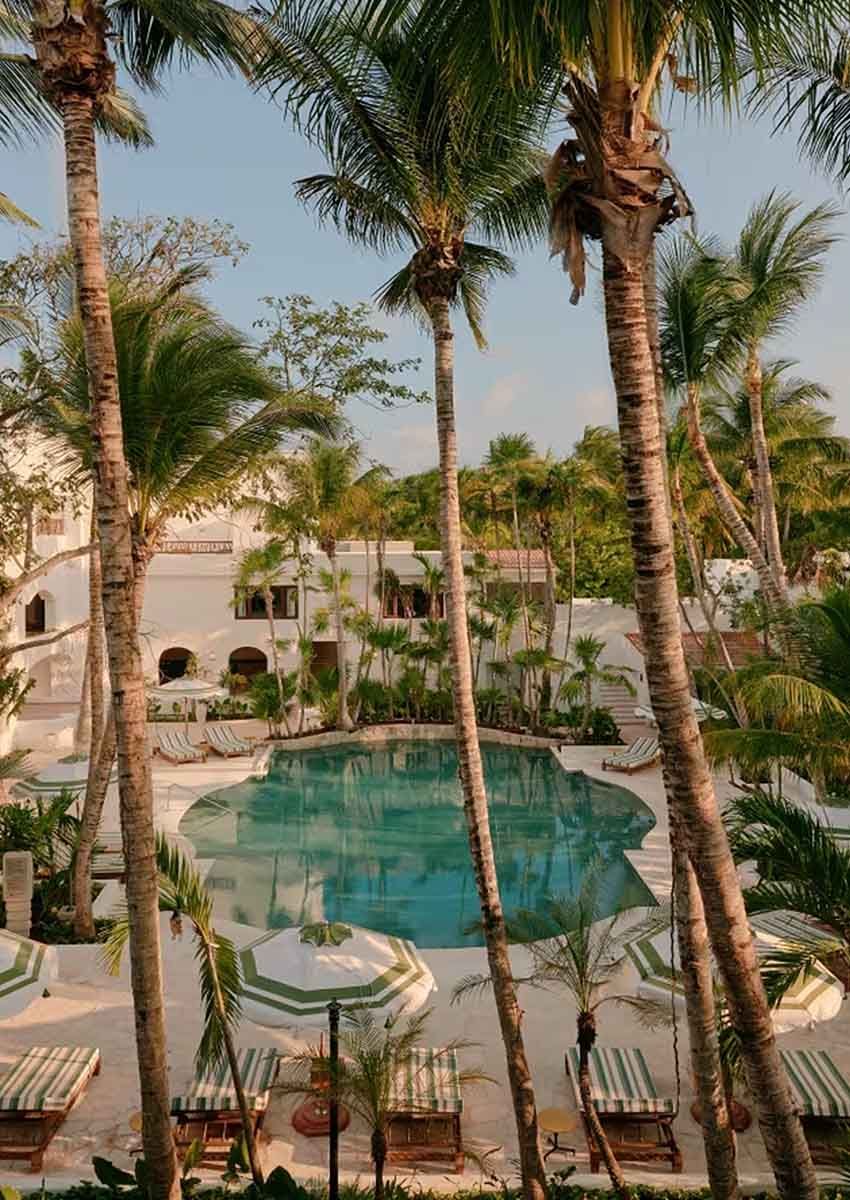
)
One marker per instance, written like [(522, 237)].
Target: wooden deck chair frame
[(27, 1134), (173, 753), (634, 1137), (425, 1137), (627, 762), (217, 1129)]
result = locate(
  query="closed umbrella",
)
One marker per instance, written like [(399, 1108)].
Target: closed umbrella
[(816, 996), (26, 967), (290, 976), (187, 690)]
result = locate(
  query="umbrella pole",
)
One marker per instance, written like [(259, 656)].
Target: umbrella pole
[(333, 1107)]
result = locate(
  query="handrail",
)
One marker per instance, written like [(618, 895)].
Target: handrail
[(196, 547)]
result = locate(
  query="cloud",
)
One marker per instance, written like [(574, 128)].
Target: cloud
[(504, 393), (406, 448), (595, 406)]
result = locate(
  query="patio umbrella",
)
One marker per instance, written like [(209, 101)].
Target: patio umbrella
[(290, 976), (816, 996), (702, 712), (69, 774), (187, 690), (25, 970)]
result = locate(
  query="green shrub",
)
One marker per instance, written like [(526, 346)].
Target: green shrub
[(603, 729)]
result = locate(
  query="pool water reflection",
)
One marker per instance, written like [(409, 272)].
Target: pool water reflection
[(375, 835)]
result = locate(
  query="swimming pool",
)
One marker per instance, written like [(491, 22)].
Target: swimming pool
[(375, 835)]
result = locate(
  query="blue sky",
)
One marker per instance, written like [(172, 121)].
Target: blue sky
[(222, 152)]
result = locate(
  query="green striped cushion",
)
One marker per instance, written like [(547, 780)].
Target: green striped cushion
[(819, 1088), (620, 1082), (428, 1081), (47, 1078), (645, 747), (213, 1091)]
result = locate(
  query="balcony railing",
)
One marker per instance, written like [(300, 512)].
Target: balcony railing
[(177, 547)]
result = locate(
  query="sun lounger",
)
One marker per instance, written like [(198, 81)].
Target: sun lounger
[(643, 752), (36, 1095), (822, 1093), (638, 1122), (176, 747), (107, 859), (222, 740), (425, 1106), (209, 1109)]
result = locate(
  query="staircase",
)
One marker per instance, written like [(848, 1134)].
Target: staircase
[(621, 703)]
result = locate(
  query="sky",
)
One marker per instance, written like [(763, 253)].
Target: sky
[(224, 153)]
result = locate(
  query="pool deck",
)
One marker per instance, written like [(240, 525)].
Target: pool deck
[(89, 1008)]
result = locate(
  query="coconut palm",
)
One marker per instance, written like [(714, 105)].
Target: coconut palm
[(198, 410), (779, 262), (588, 672), (76, 70), (183, 894), (410, 167), (510, 458), (258, 570)]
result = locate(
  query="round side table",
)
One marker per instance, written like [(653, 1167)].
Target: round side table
[(557, 1121)]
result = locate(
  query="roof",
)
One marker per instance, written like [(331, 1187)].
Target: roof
[(742, 647), (536, 559)]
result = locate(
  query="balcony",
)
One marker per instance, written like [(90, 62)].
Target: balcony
[(205, 547)]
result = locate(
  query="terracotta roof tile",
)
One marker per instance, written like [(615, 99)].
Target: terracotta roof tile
[(507, 558), (742, 646)]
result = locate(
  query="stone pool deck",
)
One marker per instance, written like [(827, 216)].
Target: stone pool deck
[(88, 1007)]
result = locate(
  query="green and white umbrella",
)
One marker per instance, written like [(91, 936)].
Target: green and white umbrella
[(26, 968), (816, 996), (702, 712), (290, 976)]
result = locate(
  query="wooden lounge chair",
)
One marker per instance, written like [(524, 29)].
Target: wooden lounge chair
[(643, 752), (176, 747), (107, 859), (209, 1110), (425, 1110), (36, 1095), (638, 1122), (222, 740), (822, 1093)]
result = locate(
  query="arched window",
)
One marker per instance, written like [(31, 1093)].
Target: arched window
[(35, 616), (247, 661), (173, 663)]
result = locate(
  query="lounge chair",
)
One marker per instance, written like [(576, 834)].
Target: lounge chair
[(222, 740), (638, 1122), (643, 752), (822, 1093), (107, 859), (36, 1095), (425, 1110), (176, 747), (209, 1109)]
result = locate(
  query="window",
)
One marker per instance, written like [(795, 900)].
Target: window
[(413, 602), (284, 607), (51, 526), (34, 616)]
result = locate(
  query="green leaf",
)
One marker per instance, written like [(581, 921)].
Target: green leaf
[(193, 1155), (111, 1176)]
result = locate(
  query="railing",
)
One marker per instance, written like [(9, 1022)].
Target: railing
[(195, 548)]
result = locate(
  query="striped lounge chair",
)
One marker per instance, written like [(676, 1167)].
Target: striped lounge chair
[(222, 740), (638, 1122), (176, 747), (107, 860), (643, 752), (209, 1109), (426, 1107), (36, 1095), (822, 1094)]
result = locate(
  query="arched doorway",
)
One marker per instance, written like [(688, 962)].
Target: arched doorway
[(173, 663), (247, 661)]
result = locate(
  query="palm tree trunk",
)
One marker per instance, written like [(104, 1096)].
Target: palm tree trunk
[(268, 604), (764, 475), (691, 791), (550, 615), (343, 718), (695, 967), (587, 708), (379, 1158), (125, 664), (732, 519), (586, 1038), (470, 766), (82, 726)]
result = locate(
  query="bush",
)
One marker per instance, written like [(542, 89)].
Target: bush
[(602, 731)]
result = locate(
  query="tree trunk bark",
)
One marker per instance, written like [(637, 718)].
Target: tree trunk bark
[(764, 475), (470, 766), (695, 966), (691, 791), (343, 718), (268, 603), (82, 728), (125, 665), (379, 1158), (586, 1038)]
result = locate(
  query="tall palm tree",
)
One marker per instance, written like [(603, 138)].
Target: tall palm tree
[(411, 168), (320, 483), (198, 410), (612, 183), (258, 570), (511, 458), (779, 262), (77, 72)]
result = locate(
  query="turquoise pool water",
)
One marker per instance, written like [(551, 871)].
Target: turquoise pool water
[(376, 836)]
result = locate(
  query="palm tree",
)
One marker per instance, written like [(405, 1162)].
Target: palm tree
[(510, 458), (175, 357), (587, 672), (182, 893), (77, 74), (779, 262), (403, 173), (258, 570)]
